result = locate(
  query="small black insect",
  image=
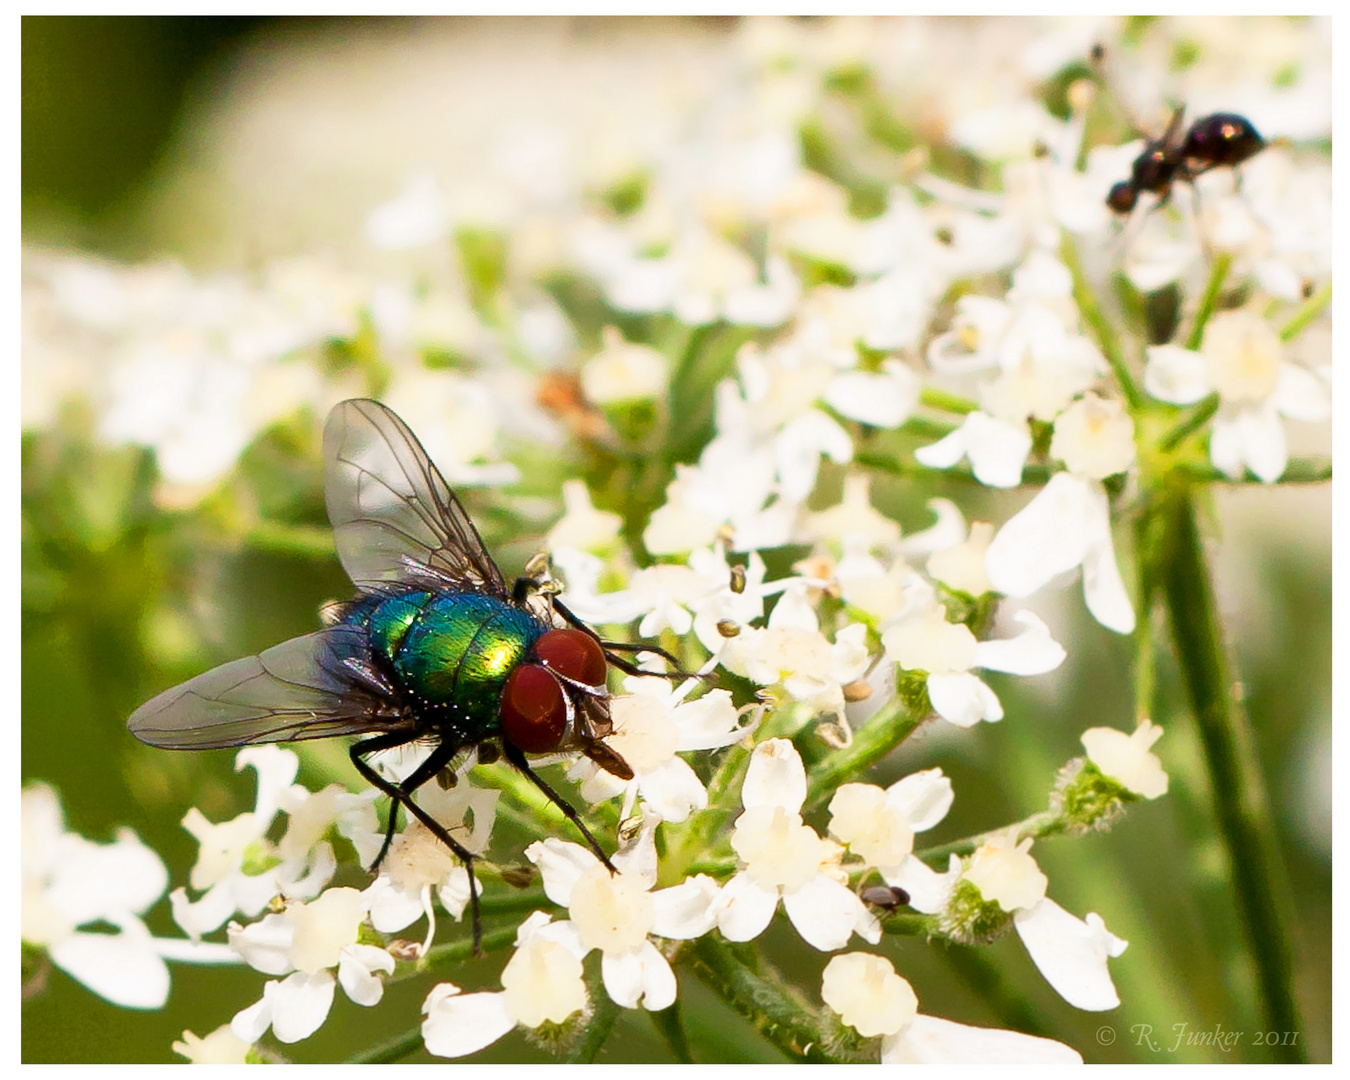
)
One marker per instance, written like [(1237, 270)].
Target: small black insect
[(434, 649), (1212, 141), (886, 897)]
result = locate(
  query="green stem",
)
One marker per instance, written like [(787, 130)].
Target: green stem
[(1190, 423), (1309, 470), (1208, 299), (1306, 313), (941, 399), (881, 734), (1101, 326), (453, 954), (389, 1051), (671, 1028), (601, 1023), (760, 994), (1241, 806), (1038, 826)]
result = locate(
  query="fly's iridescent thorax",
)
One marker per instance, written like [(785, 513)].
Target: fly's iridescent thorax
[(449, 651)]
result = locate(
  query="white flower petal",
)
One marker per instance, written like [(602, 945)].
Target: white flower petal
[(826, 913), (265, 945), (1103, 589), (643, 975), (775, 777), (561, 864), (1225, 447), (1176, 375), (930, 1040), (459, 1024), (1032, 652), (300, 1005), (122, 968), (685, 910), (963, 699), (923, 798), (276, 769), (1071, 953), (357, 965), (708, 722), (944, 453), (1301, 395), (391, 908), (251, 1024), (673, 789), (207, 914), (1046, 538), (1264, 448), (744, 909), (997, 449)]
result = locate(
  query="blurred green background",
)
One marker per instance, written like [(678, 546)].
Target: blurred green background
[(122, 598)]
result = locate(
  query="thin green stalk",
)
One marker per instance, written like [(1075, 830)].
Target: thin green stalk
[(1242, 809), (1190, 423), (941, 399), (882, 733), (1309, 470), (389, 1051), (1093, 315), (759, 993), (1038, 826), (601, 1023), (1306, 313), (453, 954), (1208, 299), (670, 1026)]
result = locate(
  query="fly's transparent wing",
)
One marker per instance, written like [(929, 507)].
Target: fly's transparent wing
[(306, 688), (390, 508)]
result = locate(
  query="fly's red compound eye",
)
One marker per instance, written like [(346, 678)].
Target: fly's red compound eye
[(574, 655), (534, 712)]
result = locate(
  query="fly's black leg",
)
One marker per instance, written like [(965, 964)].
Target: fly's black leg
[(374, 746), (401, 794), (517, 758), (632, 669)]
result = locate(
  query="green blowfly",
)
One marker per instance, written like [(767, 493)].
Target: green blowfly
[(433, 649)]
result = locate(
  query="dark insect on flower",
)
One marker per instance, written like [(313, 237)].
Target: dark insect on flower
[(1212, 141), (434, 648), (886, 897)]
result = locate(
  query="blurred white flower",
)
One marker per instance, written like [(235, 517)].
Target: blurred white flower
[(1066, 526), (69, 882), (220, 1047), (1242, 359)]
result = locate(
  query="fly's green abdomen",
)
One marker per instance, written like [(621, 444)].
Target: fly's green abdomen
[(453, 650)]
